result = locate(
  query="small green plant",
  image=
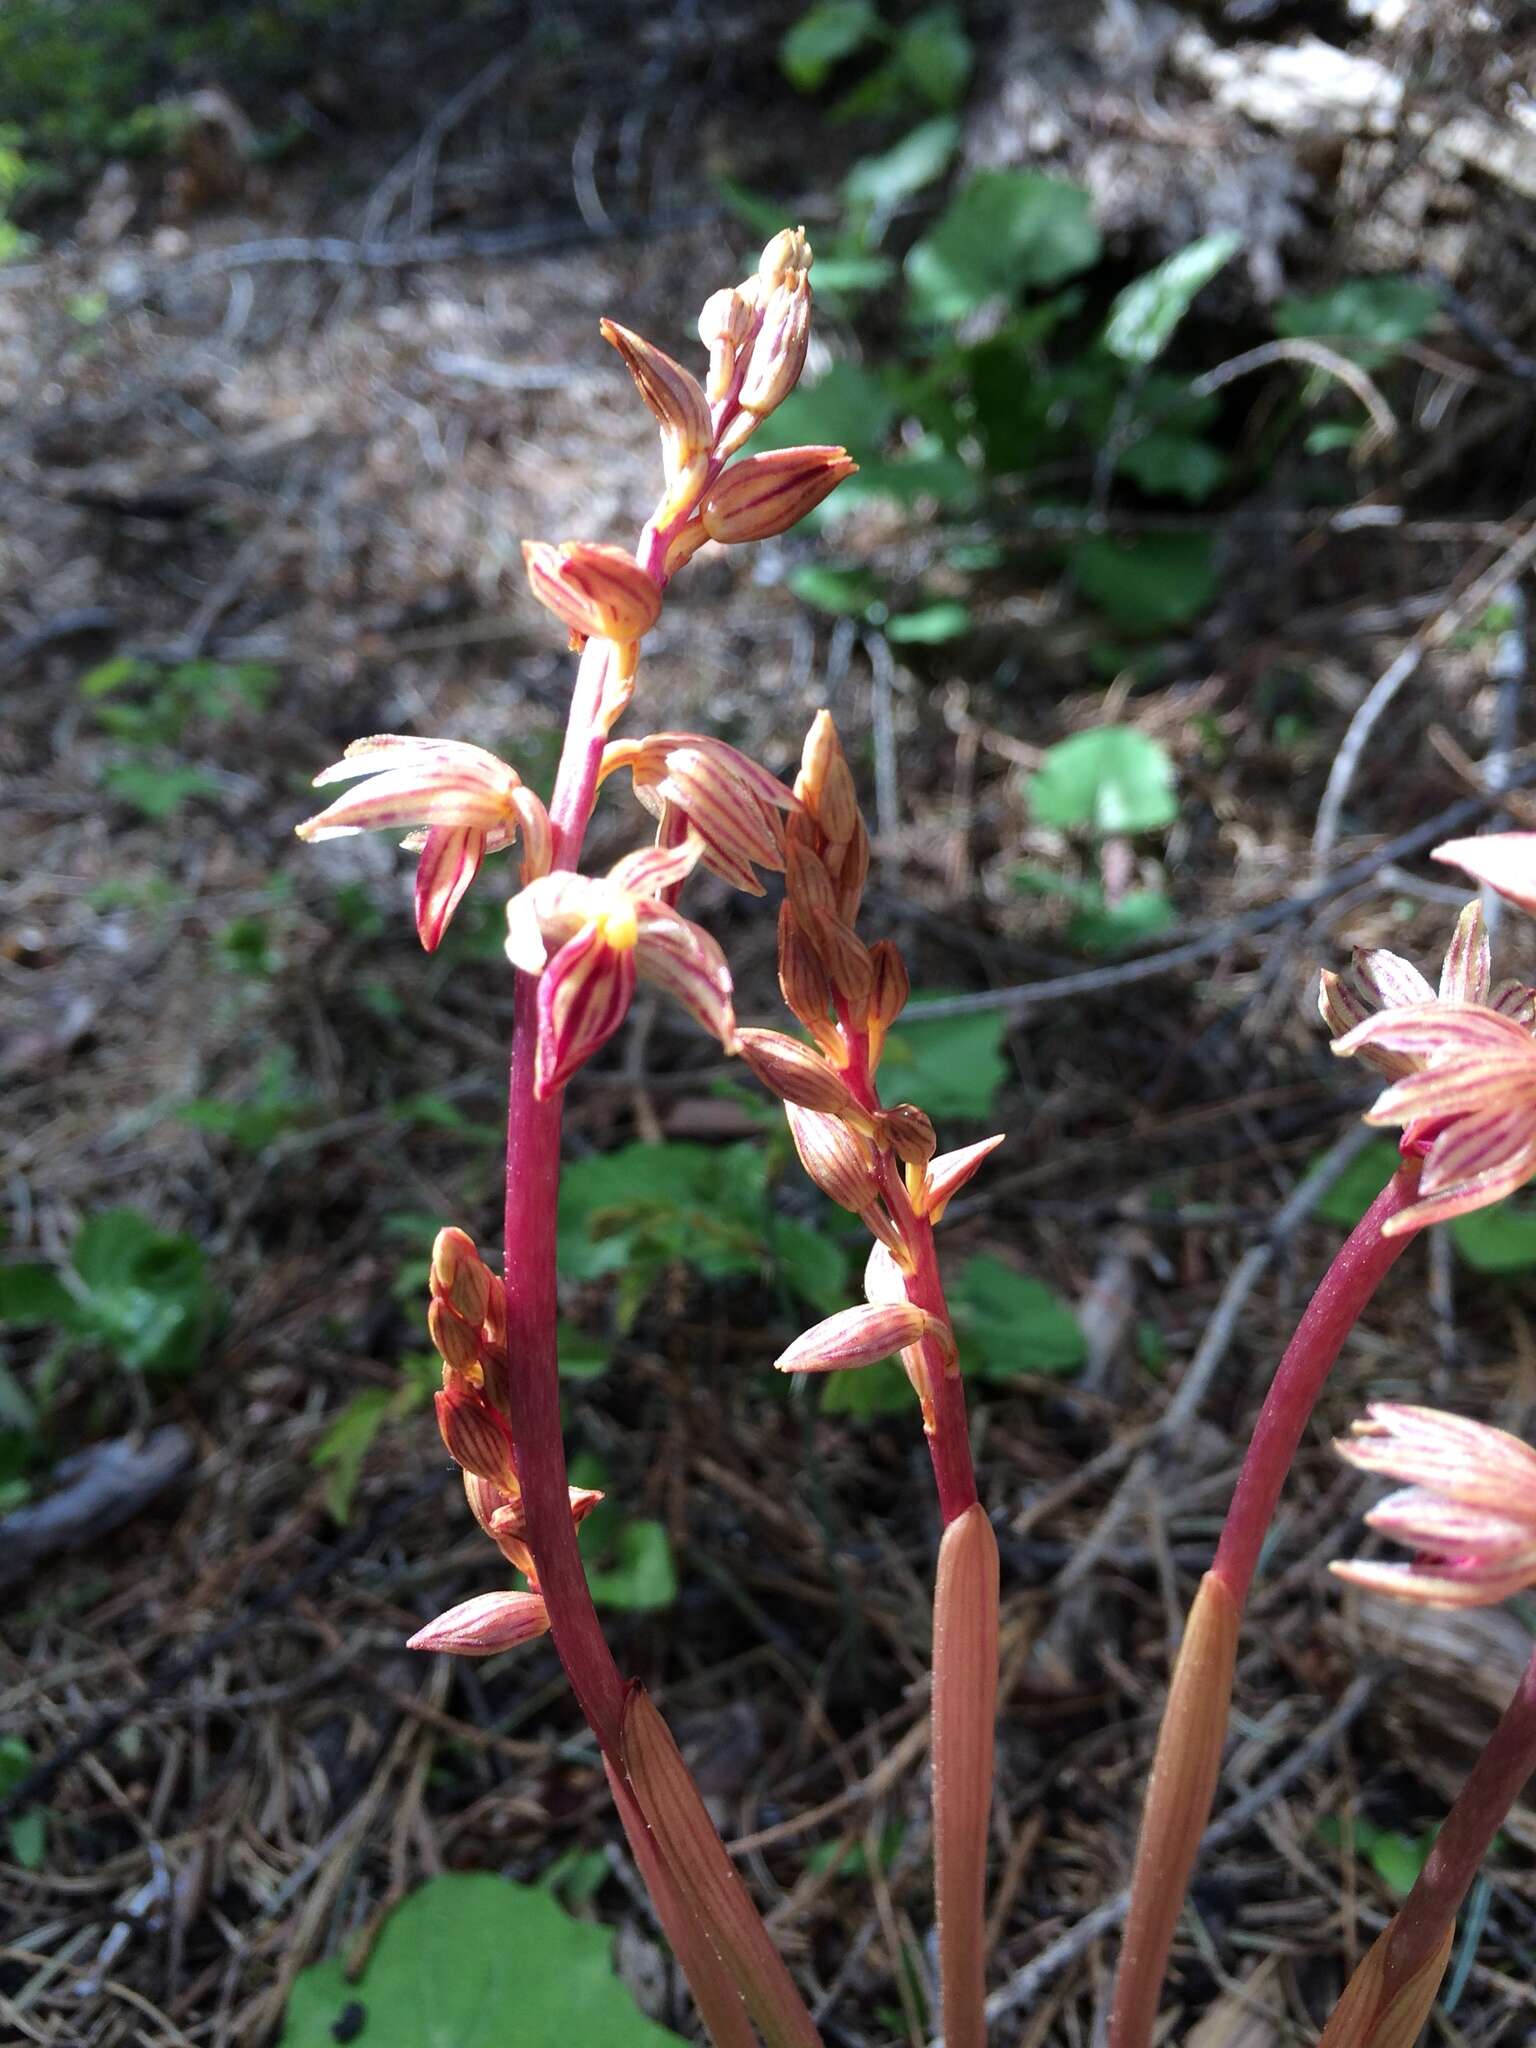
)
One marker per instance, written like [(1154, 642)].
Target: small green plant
[(140, 1294), (27, 1832), (278, 1103), (455, 1959), (628, 1557), (342, 1450), (148, 708), (1111, 783)]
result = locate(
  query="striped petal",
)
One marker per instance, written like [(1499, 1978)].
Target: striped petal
[(1436, 1030), (1422, 1520), (679, 957), (1456, 1088), (1479, 1192), (584, 993), (1450, 1454), (1433, 1586), (482, 1627), (1388, 981), (1468, 966), (450, 860), (1475, 1145)]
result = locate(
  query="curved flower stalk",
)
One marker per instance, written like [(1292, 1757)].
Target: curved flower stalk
[(1457, 1058), (579, 945), (1469, 1508), (879, 1164)]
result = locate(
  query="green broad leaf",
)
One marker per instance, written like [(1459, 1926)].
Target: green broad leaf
[(823, 37), (474, 1961), (1366, 318), (1102, 928), (812, 1263), (581, 1357), (849, 407), (1143, 318), (341, 1451), (644, 1208), (1113, 779), (28, 1834), (764, 216), (1151, 583), (1397, 1859), (884, 182), (848, 593), (1175, 466), (640, 1575), (853, 273), (949, 1066), (578, 1875), (1009, 1324), (1497, 1240), (28, 1831), (933, 56), (1333, 434), (157, 793), (882, 1389), (1359, 1184), (35, 1294), (1003, 232), (946, 620), (147, 1295)]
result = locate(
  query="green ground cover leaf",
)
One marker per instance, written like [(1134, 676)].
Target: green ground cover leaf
[(474, 1961)]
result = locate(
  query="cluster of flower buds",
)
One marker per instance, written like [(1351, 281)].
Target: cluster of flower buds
[(1461, 1061), (461, 803), (466, 1318), (1468, 1507), (877, 1162), (756, 333)]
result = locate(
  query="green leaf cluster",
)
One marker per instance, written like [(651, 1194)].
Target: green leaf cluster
[(643, 1209), (463, 1960), (141, 1294)]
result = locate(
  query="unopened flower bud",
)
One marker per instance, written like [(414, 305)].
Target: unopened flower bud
[(763, 495), (724, 324), (481, 1627), (476, 1437), (795, 1073), (460, 1276), (786, 259), (839, 1160), (849, 867), (910, 1134), (778, 351), (824, 784), (807, 884), (860, 1336), (677, 400), (806, 990), (457, 1342), (595, 590), (847, 960)]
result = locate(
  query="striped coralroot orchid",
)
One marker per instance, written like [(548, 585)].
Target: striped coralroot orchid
[(580, 944), (463, 803), (878, 1163), (589, 939), (711, 790), (1467, 1509), (1468, 1109)]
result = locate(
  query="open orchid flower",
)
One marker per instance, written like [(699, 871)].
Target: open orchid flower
[(1379, 980), (462, 802), (1468, 1508), (693, 783), (1462, 1063), (590, 938)]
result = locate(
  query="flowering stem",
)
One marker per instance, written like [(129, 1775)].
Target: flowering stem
[(1363, 1260), (532, 1190), (1479, 1811), (1179, 1802)]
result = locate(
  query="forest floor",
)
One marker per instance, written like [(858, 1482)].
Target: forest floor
[(267, 492)]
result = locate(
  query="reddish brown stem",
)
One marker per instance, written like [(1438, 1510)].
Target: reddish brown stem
[(1165, 1850)]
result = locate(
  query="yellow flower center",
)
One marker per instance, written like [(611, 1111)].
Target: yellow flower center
[(617, 922)]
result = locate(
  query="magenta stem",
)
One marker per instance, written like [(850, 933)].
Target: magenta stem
[(1480, 1810), (1363, 1260), (533, 1186)]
